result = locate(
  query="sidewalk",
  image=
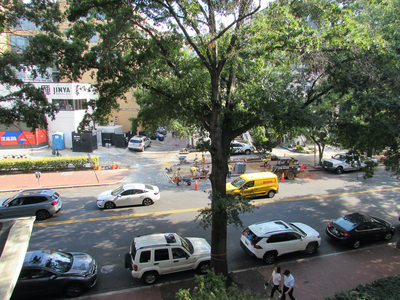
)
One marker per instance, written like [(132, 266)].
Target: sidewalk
[(316, 278)]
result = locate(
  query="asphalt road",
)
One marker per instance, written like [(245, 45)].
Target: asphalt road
[(107, 234)]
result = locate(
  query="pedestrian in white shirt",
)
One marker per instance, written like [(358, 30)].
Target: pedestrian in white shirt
[(288, 285), (276, 281)]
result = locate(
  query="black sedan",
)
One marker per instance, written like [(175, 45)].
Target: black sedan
[(357, 228), (49, 272)]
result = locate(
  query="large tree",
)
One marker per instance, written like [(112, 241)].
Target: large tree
[(222, 66), (20, 99)]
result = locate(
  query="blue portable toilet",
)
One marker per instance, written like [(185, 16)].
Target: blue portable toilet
[(58, 141)]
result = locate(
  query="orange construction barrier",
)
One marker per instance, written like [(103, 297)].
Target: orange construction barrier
[(196, 187), (283, 177), (116, 165), (113, 166)]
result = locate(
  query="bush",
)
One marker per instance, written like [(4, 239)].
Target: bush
[(46, 164), (382, 289), (212, 287)]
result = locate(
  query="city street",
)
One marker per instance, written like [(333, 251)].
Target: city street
[(107, 234)]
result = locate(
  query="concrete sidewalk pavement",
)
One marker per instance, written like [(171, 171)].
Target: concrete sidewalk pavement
[(316, 278)]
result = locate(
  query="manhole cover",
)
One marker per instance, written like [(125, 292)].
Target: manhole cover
[(107, 269)]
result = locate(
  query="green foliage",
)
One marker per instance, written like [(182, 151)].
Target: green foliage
[(232, 205), (263, 141), (46, 164), (385, 288), (213, 287)]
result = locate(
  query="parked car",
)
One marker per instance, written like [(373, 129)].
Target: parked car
[(129, 194), (158, 136), (270, 239), (343, 162), (41, 203), (49, 272), (162, 131), (357, 228), (237, 147), (164, 253), (139, 142)]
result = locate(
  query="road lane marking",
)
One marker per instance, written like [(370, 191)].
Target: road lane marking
[(167, 212)]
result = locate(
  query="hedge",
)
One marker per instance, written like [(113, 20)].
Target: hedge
[(46, 164)]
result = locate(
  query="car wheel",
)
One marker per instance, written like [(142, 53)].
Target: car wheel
[(147, 202), (109, 205), (339, 170), (42, 215), (149, 277), (269, 258), (356, 244), (388, 236), (73, 290), (290, 175), (204, 267), (247, 152), (311, 248), (271, 194)]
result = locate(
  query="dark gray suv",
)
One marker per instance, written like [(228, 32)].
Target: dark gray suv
[(40, 203)]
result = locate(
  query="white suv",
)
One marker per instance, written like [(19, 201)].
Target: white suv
[(267, 240), (139, 142), (237, 147), (163, 253)]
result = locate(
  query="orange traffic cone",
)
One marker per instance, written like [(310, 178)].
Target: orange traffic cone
[(301, 168), (113, 166), (196, 187), (116, 165), (283, 177), (97, 167)]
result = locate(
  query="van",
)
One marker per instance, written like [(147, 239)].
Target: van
[(254, 184)]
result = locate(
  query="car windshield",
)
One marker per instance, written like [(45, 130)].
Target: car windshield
[(135, 141), (117, 190), (149, 187), (339, 157), (186, 244), (238, 182), (59, 261)]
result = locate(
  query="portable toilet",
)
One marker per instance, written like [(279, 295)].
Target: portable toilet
[(58, 141)]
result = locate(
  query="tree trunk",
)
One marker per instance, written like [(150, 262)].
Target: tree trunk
[(219, 157)]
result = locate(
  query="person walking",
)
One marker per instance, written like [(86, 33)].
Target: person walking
[(288, 285), (276, 281)]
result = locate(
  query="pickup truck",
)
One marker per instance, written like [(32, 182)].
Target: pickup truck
[(342, 162)]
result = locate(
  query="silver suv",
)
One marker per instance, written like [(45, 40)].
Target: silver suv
[(40, 203), (163, 253), (139, 142), (267, 240)]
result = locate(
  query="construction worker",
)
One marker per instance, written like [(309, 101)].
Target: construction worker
[(196, 160), (178, 176), (230, 167), (205, 172), (203, 159), (193, 170), (267, 161)]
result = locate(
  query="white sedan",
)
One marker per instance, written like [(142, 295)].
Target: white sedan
[(129, 194), (237, 147)]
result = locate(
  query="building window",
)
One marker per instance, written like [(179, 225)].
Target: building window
[(79, 104), (69, 104), (19, 42), (63, 104), (25, 25)]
